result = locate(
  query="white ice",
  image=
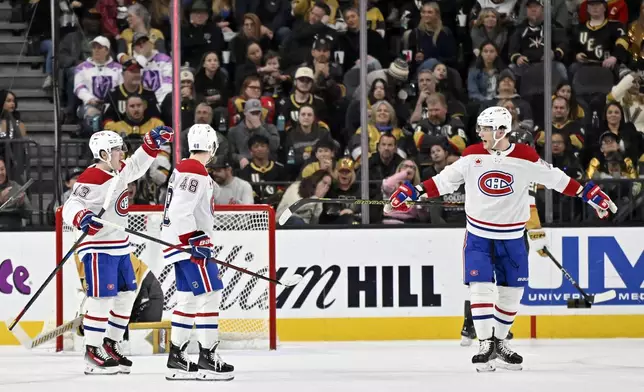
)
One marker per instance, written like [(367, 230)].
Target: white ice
[(612, 365)]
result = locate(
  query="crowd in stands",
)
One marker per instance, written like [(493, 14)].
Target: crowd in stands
[(279, 81)]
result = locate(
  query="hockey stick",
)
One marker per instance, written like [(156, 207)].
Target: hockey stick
[(295, 279), (16, 193), (295, 206), (589, 299), (106, 203)]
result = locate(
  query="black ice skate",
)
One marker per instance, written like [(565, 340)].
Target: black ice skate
[(510, 336), (468, 333), (483, 359), (112, 348), (505, 357), (97, 361), (212, 367), (179, 365)]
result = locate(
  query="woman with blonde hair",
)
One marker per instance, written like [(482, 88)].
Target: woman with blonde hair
[(627, 92), (223, 13), (407, 170), (430, 41), (488, 28)]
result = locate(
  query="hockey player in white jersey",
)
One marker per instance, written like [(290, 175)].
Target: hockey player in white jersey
[(111, 283), (497, 175), (188, 221)]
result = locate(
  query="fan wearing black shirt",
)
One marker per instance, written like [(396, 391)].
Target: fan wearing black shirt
[(261, 169)]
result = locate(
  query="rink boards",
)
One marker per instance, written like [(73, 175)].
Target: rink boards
[(390, 284)]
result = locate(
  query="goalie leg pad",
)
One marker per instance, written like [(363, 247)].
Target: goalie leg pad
[(95, 320), (207, 318), (482, 296), (183, 318), (119, 316), (506, 309)]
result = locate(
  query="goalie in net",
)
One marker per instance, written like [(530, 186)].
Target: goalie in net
[(188, 220)]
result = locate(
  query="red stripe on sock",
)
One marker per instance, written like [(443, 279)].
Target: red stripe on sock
[(119, 316), (102, 319), (216, 314), (178, 313), (475, 306), (504, 312)]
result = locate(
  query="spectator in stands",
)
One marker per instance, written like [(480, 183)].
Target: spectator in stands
[(261, 170), (299, 44), (610, 145), (377, 92), (636, 34), (627, 92), (94, 79), (327, 75), (232, 189), (482, 77), (211, 82), (562, 124), (430, 41), (488, 29), (348, 44), (138, 19), (200, 36), (407, 170), (506, 89), (133, 196), (302, 95), (599, 41), (614, 121), (188, 100), (438, 123), (316, 185), (565, 90), (383, 163), (616, 10), (113, 19), (10, 125), (275, 14), (251, 89), (252, 65), (252, 31), (301, 139), (38, 17), (157, 66), (526, 45), (11, 218), (204, 115), (68, 184), (253, 124), (447, 84), (440, 155), (563, 156), (517, 125), (277, 84), (136, 122), (323, 157), (559, 10), (382, 120), (116, 101), (344, 187), (223, 14)]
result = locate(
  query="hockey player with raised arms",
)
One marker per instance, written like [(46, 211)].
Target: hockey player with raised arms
[(497, 175), (188, 220), (111, 283)]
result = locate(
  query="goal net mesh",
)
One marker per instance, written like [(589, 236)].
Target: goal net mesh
[(242, 238)]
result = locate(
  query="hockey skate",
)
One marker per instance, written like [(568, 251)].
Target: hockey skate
[(179, 365), (483, 359), (505, 357), (98, 362), (112, 348), (468, 334), (212, 367)]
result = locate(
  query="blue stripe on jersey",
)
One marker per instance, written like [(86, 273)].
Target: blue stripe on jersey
[(180, 325), (94, 329), (503, 321), (116, 325), (495, 230), (483, 317), (207, 326), (173, 254)]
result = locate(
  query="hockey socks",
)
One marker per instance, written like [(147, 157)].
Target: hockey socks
[(207, 318), (119, 316), (183, 318), (95, 320), (482, 296), (506, 309)]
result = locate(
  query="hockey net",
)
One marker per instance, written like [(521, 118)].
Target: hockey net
[(245, 236)]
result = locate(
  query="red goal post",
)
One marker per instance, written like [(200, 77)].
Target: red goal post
[(244, 236)]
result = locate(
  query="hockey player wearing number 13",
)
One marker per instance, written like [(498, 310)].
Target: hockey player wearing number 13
[(111, 283), (188, 221), (497, 175)]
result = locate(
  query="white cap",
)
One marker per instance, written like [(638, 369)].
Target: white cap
[(187, 75), (304, 72), (102, 41)]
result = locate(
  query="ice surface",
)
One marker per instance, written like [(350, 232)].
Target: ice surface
[(613, 365)]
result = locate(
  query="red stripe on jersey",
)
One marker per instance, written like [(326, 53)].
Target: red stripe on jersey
[(475, 149), (95, 274), (119, 316), (430, 188), (206, 278), (572, 188), (94, 176), (192, 166), (179, 313), (504, 311), (523, 151), (476, 306), (102, 319), (495, 224), (215, 314)]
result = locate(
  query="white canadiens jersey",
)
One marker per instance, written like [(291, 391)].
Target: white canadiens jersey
[(90, 192), (189, 207), (497, 202)]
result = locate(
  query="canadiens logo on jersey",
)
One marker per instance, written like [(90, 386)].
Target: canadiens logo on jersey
[(122, 204), (496, 183)]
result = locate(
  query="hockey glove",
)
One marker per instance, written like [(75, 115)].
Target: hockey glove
[(158, 137), (538, 241), (405, 193), (201, 248), (83, 221), (593, 195)]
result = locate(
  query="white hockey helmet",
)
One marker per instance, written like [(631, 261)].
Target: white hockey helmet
[(201, 137), (105, 141), (495, 118)]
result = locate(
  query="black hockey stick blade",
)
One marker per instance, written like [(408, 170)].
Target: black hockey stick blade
[(16, 193)]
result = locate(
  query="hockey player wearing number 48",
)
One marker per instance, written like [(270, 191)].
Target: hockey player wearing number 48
[(188, 221), (111, 283), (497, 175)]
